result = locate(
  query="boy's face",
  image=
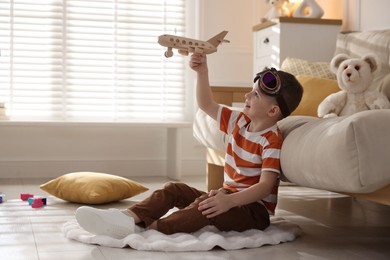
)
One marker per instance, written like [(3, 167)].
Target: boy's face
[(257, 104)]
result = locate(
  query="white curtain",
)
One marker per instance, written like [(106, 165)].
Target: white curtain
[(91, 60)]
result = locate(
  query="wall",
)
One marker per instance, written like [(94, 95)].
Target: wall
[(52, 149), (232, 64), (374, 15)]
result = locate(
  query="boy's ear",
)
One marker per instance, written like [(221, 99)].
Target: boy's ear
[(274, 111)]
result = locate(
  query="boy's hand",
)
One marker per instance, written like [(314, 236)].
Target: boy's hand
[(217, 203), (198, 62)]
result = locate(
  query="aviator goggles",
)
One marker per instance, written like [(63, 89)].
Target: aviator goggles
[(269, 84)]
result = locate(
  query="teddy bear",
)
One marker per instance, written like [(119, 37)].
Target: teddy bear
[(279, 8), (354, 77)]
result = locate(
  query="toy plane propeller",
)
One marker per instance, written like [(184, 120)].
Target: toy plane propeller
[(188, 45)]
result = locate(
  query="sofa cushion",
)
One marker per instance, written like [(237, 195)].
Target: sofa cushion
[(344, 154), (384, 86), (290, 123), (206, 131), (297, 66), (315, 90)]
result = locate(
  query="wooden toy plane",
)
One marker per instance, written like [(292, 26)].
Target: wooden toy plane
[(188, 45)]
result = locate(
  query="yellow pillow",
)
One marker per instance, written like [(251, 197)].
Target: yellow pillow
[(92, 187), (315, 90)]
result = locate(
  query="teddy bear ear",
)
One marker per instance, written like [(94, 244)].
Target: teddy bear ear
[(336, 61), (373, 61)]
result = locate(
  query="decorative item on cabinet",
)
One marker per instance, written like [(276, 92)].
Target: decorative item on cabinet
[(308, 9), (292, 6), (279, 8)]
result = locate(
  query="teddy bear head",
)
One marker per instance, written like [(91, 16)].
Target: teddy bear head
[(354, 75), (276, 3)]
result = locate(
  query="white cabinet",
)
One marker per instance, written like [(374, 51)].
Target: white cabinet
[(304, 38)]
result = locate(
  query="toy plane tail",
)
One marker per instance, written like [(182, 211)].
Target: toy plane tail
[(218, 39)]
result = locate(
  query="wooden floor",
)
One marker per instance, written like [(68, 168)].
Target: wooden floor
[(335, 227)]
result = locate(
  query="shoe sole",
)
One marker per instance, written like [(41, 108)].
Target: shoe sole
[(99, 222)]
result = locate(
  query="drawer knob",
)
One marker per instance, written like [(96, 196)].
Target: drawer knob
[(266, 40)]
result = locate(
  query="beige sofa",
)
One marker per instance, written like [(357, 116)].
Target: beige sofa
[(348, 155)]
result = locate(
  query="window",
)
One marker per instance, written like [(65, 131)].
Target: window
[(91, 60)]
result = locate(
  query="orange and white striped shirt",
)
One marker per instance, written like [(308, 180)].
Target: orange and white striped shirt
[(249, 153)]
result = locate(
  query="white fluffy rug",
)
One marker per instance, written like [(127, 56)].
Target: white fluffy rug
[(205, 239)]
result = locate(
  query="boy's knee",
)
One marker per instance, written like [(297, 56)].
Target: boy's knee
[(169, 185), (173, 186)]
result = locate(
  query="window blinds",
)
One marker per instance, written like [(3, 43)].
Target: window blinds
[(87, 60)]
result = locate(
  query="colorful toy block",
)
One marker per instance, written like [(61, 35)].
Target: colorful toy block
[(37, 203), (25, 196), (32, 199)]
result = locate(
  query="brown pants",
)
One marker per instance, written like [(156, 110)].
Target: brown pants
[(188, 218)]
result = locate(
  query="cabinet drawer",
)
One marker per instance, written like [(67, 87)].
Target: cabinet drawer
[(267, 42)]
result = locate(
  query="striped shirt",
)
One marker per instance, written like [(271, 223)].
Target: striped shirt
[(249, 153)]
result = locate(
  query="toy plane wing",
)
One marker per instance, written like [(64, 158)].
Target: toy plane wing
[(187, 45)]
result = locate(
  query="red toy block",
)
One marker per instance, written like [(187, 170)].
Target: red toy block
[(25, 196), (37, 203)]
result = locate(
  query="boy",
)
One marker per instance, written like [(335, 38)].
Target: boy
[(251, 173)]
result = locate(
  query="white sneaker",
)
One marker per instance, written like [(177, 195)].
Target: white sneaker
[(112, 222)]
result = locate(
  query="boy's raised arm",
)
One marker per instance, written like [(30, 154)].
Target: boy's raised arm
[(204, 96)]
